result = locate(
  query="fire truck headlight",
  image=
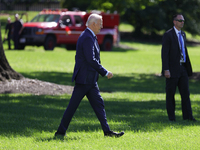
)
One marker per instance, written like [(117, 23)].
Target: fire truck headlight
[(39, 31)]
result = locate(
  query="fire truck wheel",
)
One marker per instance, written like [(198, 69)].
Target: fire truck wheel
[(107, 44), (49, 43)]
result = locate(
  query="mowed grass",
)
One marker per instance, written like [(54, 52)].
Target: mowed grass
[(134, 102)]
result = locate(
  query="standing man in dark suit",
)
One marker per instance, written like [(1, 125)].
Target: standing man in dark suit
[(176, 68), (86, 71), (8, 31), (17, 25)]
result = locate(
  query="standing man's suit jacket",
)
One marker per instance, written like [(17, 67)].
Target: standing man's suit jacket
[(171, 54), (87, 67)]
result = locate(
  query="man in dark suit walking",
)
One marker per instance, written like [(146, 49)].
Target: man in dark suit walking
[(176, 68), (86, 71)]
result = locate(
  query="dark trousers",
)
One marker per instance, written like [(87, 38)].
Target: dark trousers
[(8, 39), (16, 40), (183, 86), (95, 99)]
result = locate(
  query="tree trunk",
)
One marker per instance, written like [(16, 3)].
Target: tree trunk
[(6, 72)]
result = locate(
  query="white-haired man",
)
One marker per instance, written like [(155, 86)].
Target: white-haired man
[(86, 71), (17, 26)]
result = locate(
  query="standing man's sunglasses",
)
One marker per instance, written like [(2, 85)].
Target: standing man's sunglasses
[(180, 20)]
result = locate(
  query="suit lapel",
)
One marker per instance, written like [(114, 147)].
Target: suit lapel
[(176, 38), (97, 46)]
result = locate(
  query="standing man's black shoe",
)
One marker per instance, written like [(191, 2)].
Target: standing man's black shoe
[(59, 136), (172, 120), (113, 134), (193, 119)]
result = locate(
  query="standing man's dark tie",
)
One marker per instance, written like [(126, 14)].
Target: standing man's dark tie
[(182, 47)]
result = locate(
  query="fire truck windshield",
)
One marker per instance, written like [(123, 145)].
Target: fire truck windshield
[(46, 18)]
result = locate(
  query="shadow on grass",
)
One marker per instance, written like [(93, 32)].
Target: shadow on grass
[(25, 114), (62, 78), (148, 83)]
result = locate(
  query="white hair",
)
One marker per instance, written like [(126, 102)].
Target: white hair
[(93, 18), (16, 15)]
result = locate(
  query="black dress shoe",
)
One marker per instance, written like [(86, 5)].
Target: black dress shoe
[(172, 120), (59, 135), (194, 120), (113, 134)]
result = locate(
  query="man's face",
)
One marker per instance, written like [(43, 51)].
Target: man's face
[(98, 26), (179, 22)]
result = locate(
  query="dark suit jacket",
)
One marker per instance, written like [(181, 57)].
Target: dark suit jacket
[(171, 54), (87, 67)]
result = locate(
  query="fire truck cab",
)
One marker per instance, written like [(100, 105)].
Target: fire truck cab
[(55, 27)]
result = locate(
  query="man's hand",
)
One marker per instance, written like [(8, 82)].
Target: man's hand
[(167, 74), (110, 75)]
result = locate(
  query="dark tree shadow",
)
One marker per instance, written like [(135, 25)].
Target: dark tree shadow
[(22, 115), (148, 83)]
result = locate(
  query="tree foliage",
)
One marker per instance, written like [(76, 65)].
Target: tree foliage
[(114, 5), (145, 15), (148, 15), (28, 3), (157, 15)]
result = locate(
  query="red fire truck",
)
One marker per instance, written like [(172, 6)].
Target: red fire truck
[(51, 28)]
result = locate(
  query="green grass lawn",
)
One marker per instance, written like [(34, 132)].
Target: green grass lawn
[(134, 102)]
